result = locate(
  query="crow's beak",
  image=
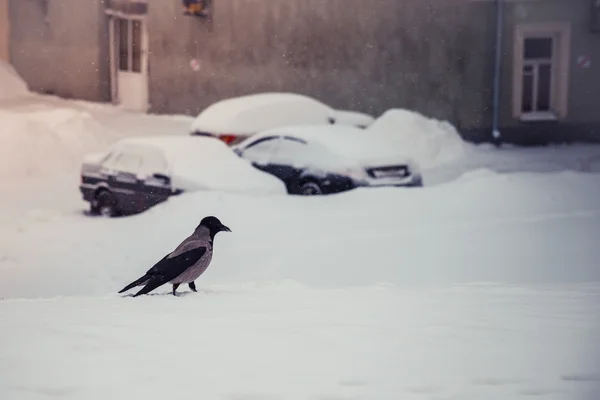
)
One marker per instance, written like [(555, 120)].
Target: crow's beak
[(225, 229)]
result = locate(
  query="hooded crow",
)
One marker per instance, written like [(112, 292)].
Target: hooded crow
[(184, 264)]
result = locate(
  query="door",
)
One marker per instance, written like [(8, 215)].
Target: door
[(120, 173), (289, 159), (154, 176), (259, 152), (129, 62)]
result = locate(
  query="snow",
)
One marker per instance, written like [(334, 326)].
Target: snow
[(331, 148), (245, 115), (484, 285), (430, 142), (41, 143), (256, 112), (460, 342), (11, 84), (202, 163), (353, 118), (550, 222)]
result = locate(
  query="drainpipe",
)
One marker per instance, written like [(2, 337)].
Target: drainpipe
[(497, 68)]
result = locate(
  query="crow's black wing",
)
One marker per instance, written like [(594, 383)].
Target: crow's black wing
[(170, 268)]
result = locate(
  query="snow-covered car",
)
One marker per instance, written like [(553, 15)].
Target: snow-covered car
[(324, 159), (235, 119), (138, 173)]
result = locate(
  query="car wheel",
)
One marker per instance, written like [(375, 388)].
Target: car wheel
[(107, 204), (310, 189)]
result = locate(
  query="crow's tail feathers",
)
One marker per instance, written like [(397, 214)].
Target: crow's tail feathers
[(151, 285), (133, 284)]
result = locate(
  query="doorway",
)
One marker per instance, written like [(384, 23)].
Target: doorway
[(129, 62)]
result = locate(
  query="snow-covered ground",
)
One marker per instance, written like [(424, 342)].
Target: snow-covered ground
[(293, 342), (483, 288), (484, 285)]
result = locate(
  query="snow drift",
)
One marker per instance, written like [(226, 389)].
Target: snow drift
[(544, 230), (428, 141), (44, 142), (11, 84)]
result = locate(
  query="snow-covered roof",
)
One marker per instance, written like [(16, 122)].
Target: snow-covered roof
[(256, 112)]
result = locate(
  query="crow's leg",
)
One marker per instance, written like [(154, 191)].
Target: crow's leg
[(192, 286), (175, 286)]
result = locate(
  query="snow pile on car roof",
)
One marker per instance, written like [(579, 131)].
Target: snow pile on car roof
[(47, 141), (428, 141), (204, 163), (257, 112), (11, 84), (343, 141)]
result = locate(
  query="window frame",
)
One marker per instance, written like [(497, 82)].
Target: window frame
[(560, 32)]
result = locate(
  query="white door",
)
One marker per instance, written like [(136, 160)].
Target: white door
[(129, 63)]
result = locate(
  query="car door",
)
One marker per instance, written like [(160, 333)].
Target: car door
[(289, 159), (154, 176), (120, 172)]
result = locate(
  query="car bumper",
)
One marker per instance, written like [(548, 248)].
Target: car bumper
[(87, 191)]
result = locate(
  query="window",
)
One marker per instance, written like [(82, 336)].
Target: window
[(129, 163), (260, 151), (129, 33), (541, 71), (123, 29), (136, 46), (296, 152), (537, 74), (291, 150)]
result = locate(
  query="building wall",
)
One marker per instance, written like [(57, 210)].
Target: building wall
[(434, 56), (59, 47), (582, 121), (4, 30)]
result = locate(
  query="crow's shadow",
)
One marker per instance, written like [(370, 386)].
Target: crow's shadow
[(179, 294)]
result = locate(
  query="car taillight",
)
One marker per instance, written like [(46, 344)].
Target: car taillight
[(227, 138)]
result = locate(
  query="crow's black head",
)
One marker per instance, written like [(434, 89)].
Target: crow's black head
[(214, 225)]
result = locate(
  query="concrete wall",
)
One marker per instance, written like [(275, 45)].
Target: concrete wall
[(434, 56), (4, 30), (583, 116), (60, 47)]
